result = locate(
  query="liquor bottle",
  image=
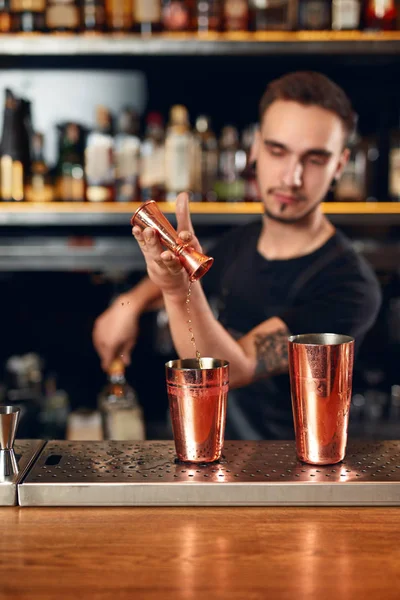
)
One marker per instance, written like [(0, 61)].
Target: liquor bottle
[(70, 181), (39, 187), (63, 15), (11, 152), (346, 14), (209, 15), (352, 183), (152, 168), (99, 160), (28, 15), (5, 17), (236, 15), (380, 15), (315, 14), (178, 153), (230, 186), (147, 16), (119, 15), (270, 15), (93, 16), (127, 157), (205, 163), (251, 193), (177, 15), (394, 165), (122, 415)]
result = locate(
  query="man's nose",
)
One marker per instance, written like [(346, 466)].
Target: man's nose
[(293, 175)]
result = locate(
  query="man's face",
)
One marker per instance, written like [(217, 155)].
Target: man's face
[(299, 152)]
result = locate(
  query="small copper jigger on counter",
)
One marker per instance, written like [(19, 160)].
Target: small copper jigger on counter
[(321, 376), (195, 263), (197, 401), (9, 417)]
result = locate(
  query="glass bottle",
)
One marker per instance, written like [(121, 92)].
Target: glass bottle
[(205, 160), (346, 14), (394, 165), (5, 17), (70, 181), (93, 16), (127, 157), (99, 159), (178, 153), (119, 15), (63, 15), (12, 172), (270, 15), (122, 415), (236, 15), (39, 187), (230, 186), (178, 15), (147, 16), (209, 15), (380, 15), (28, 15), (249, 173), (152, 167), (315, 14)]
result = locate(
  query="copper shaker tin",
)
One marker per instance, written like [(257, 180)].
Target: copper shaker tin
[(197, 402), (195, 263), (321, 374)]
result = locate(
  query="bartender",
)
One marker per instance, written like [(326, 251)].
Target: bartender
[(290, 273)]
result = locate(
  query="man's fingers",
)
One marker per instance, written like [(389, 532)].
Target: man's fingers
[(172, 262), (182, 211)]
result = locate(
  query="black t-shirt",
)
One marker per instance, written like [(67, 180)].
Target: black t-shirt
[(331, 290)]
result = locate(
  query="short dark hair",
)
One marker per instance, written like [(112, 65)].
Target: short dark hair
[(312, 89)]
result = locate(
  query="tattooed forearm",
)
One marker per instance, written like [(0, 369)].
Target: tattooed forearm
[(271, 352)]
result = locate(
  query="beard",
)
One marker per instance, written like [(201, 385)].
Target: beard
[(280, 218)]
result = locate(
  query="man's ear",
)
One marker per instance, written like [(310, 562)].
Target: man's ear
[(344, 159)]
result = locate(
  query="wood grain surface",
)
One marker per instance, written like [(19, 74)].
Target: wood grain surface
[(187, 553)]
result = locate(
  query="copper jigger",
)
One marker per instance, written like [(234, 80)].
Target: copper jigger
[(197, 402), (195, 263), (321, 375)]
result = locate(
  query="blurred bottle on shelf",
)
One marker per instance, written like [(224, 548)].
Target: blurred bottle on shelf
[(380, 15), (357, 183), (147, 16), (28, 16), (127, 157), (178, 15), (230, 186), (209, 15), (394, 165), (70, 181), (205, 160), (118, 15), (12, 151), (272, 15), (55, 409), (5, 17), (346, 14), (93, 16), (63, 15), (251, 193), (39, 187), (179, 148), (314, 15), (236, 15), (152, 163), (122, 415), (99, 159)]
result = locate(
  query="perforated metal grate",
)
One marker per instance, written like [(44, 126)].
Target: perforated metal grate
[(92, 464)]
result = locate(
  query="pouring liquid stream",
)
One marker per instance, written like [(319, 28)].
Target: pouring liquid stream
[(189, 323)]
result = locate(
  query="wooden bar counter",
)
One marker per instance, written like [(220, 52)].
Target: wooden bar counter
[(186, 553)]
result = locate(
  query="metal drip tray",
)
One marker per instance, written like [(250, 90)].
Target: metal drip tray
[(25, 453), (250, 473)]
